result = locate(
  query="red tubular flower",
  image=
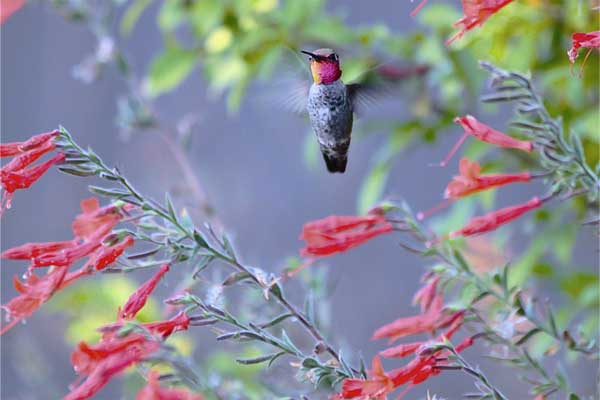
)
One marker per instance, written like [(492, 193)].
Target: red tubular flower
[(476, 12), (138, 299), (381, 383), (86, 358), (31, 250), (493, 220), (102, 257), (107, 255), (153, 391), (109, 367), (432, 319), (377, 386), (25, 159), (65, 257), (405, 349), (471, 181), (589, 40), (14, 176), (33, 293), (22, 179), (426, 294), (336, 234), (14, 148), (8, 7), (486, 134), (164, 329), (95, 221)]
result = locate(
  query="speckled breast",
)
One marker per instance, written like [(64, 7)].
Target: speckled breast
[(330, 114)]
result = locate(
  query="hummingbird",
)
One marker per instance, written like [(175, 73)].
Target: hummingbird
[(330, 108), (331, 104)]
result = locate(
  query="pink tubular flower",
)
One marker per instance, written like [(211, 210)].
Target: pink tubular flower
[(476, 12), (138, 299), (589, 40), (153, 391), (32, 294), (470, 180), (486, 134), (493, 220), (336, 234)]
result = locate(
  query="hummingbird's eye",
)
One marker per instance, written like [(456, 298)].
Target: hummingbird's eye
[(333, 57)]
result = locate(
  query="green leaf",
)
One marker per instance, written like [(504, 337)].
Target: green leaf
[(169, 69), (132, 15), (372, 187), (257, 360), (310, 363), (528, 336), (276, 320)]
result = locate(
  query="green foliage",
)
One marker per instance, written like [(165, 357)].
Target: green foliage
[(169, 69)]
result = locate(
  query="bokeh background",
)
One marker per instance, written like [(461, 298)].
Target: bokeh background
[(253, 165)]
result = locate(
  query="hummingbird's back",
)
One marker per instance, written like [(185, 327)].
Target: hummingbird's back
[(330, 112)]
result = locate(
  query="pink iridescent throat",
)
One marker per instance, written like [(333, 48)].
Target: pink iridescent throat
[(329, 72)]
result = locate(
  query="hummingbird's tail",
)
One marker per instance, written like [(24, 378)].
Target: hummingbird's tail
[(336, 162)]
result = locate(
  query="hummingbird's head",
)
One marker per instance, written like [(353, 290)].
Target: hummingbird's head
[(324, 66)]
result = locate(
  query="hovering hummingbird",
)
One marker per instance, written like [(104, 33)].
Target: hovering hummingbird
[(331, 104), (330, 108)]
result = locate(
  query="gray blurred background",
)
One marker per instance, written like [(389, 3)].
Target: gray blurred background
[(251, 165)]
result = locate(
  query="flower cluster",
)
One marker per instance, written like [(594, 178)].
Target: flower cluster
[(18, 174), (431, 356), (93, 238), (470, 180), (120, 348)]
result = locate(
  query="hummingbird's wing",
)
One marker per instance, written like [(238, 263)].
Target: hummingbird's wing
[(378, 83), (288, 89)]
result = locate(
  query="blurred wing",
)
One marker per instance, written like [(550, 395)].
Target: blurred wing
[(295, 98), (288, 89), (378, 83)]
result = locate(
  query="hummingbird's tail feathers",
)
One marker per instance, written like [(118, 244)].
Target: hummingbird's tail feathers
[(335, 162)]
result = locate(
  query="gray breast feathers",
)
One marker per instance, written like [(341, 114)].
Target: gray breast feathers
[(330, 113)]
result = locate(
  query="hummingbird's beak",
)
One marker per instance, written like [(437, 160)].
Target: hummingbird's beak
[(313, 55)]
